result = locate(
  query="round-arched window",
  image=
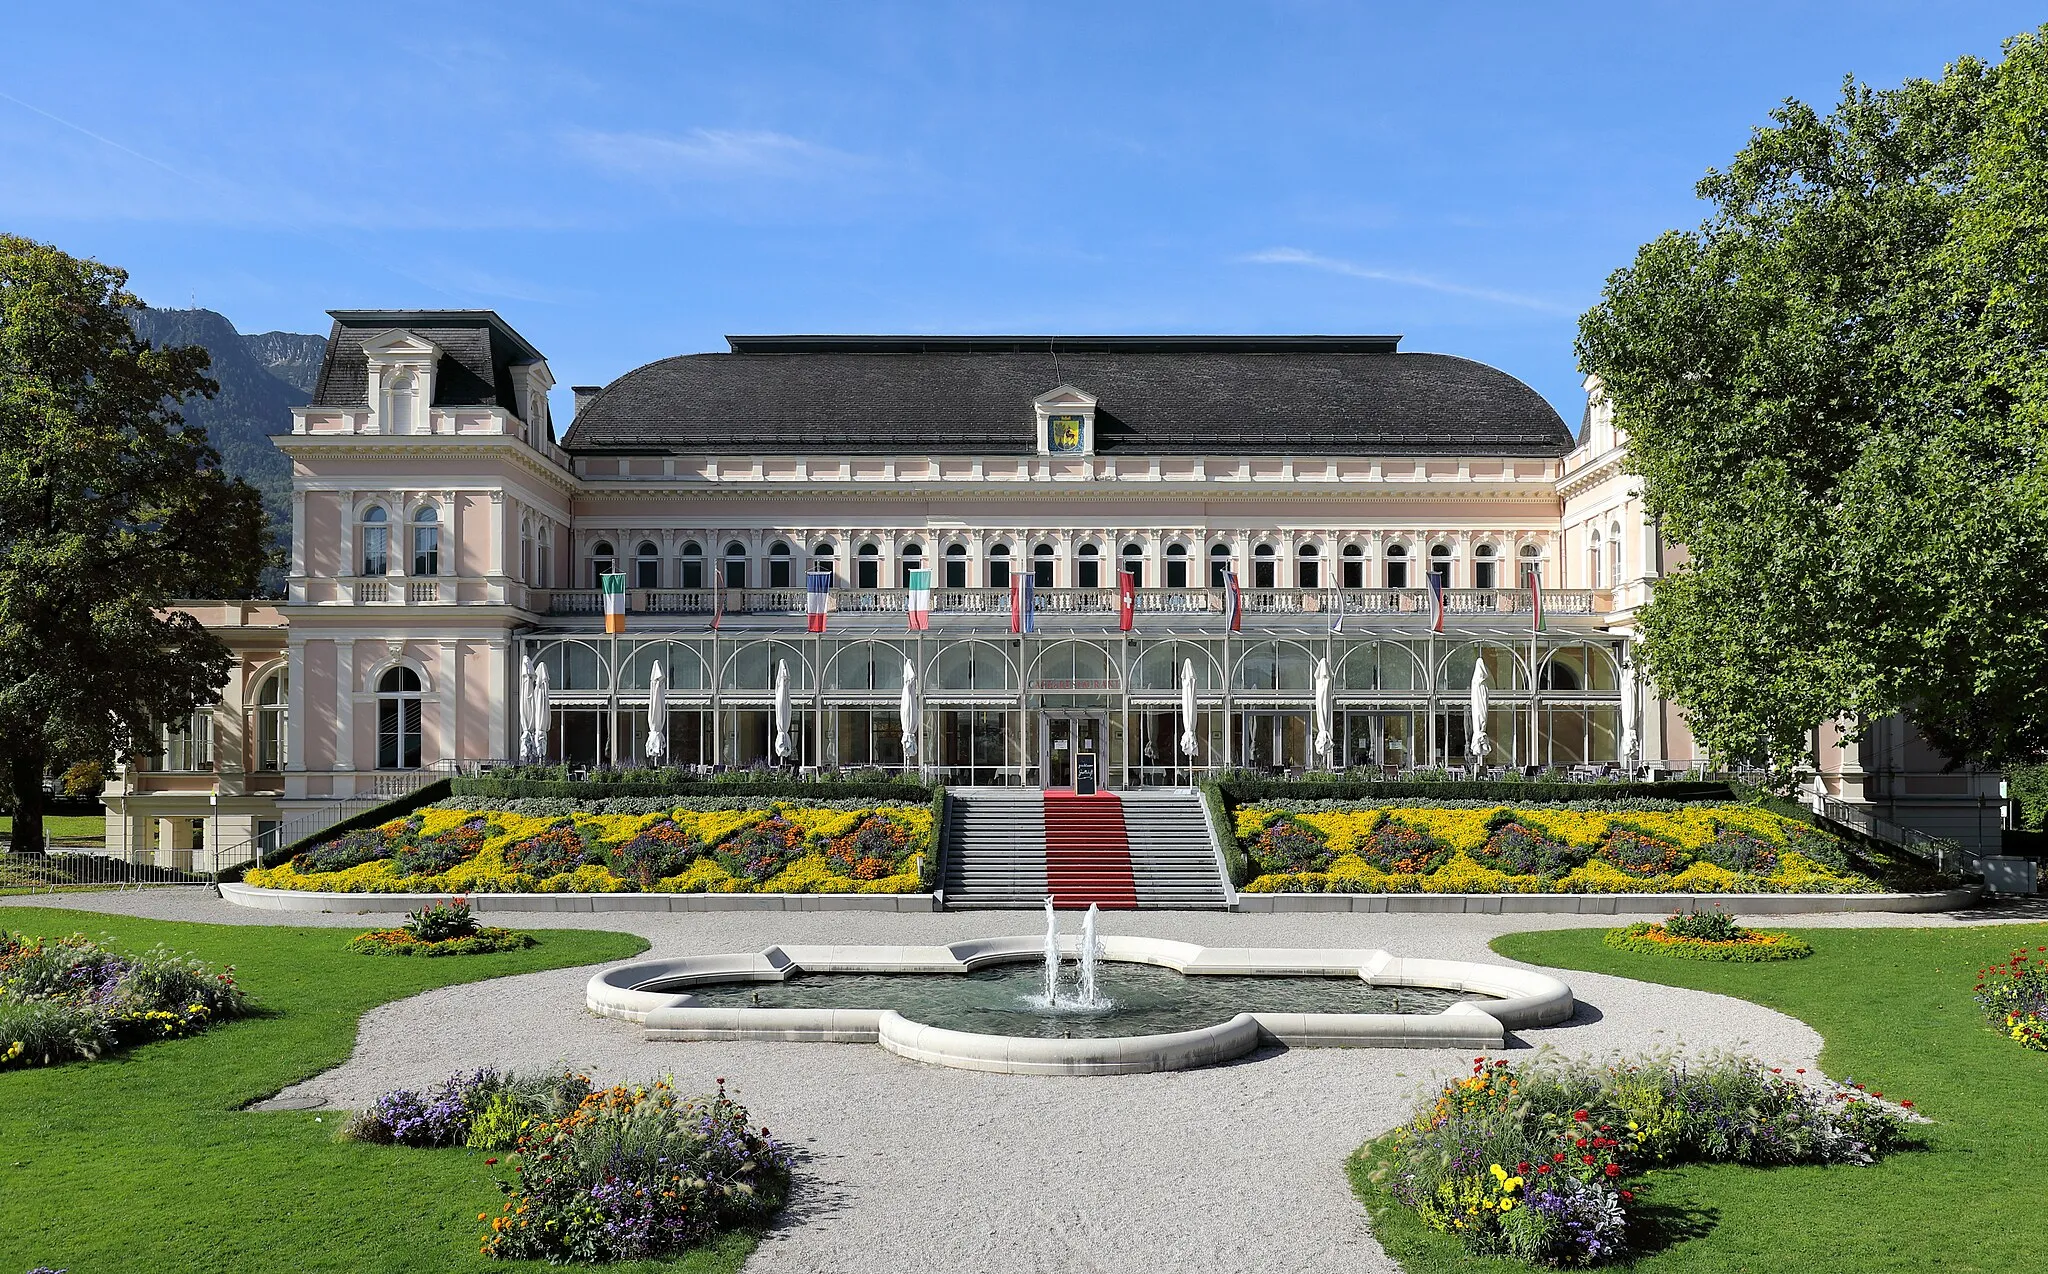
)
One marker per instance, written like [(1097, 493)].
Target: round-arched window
[(376, 541), (647, 566), (778, 565), (426, 541), (912, 560), (1041, 565), (398, 719), (1088, 567), (867, 567), (956, 566), (691, 564), (1485, 567), (1176, 566), (1219, 564), (271, 708), (603, 562), (1354, 566), (999, 566), (1308, 569)]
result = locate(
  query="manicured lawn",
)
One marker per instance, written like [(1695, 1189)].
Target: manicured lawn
[(1894, 1006), (64, 827), (146, 1162)]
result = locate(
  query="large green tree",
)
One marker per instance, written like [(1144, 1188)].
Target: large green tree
[(1836, 394), (110, 509)]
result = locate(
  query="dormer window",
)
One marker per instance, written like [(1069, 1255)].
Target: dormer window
[(401, 389), (399, 399), (1066, 422)]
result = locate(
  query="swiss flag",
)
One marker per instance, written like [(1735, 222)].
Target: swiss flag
[(1126, 599)]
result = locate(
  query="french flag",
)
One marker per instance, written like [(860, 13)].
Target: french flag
[(1436, 602), (818, 591), (1022, 604), (1233, 603)]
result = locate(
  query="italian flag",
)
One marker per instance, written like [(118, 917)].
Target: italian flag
[(614, 603), (920, 601)]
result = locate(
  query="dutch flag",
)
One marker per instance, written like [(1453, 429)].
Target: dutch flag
[(920, 601), (818, 591)]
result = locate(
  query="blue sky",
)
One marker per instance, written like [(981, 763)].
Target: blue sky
[(629, 181)]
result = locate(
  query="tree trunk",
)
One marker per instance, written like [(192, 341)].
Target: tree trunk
[(26, 775)]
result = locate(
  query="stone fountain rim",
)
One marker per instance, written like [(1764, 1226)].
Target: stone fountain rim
[(654, 993)]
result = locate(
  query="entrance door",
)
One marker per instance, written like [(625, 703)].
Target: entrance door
[(1062, 739), (1275, 740)]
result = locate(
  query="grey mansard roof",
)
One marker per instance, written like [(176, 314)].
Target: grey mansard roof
[(478, 351), (1158, 395)]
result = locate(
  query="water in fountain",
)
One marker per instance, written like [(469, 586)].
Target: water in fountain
[(1052, 953), (1091, 951)]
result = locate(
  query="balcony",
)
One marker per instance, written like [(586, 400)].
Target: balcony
[(1280, 605)]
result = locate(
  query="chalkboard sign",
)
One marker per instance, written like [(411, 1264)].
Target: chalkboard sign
[(1084, 774)]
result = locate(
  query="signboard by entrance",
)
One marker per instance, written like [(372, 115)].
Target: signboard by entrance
[(1084, 774)]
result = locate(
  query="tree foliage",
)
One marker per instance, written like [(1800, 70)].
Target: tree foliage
[(1835, 393), (110, 509)]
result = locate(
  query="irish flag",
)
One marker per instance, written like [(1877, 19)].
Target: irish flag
[(920, 601), (817, 591), (614, 602)]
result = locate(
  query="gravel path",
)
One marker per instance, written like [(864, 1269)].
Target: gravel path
[(915, 1168)]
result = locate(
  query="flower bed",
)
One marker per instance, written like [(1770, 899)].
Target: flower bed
[(1707, 935), (1622, 846), (69, 998), (2014, 996), (442, 929), (1537, 1162), (632, 844)]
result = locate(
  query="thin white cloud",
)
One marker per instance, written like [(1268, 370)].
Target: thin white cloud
[(716, 153), (1351, 269)]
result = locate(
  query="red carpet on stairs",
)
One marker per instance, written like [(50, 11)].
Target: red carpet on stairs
[(1087, 854)]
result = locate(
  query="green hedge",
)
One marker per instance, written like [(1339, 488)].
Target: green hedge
[(1236, 791), (929, 878), (490, 786), (1218, 809), (2028, 785)]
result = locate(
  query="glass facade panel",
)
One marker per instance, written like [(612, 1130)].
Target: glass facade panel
[(973, 746)]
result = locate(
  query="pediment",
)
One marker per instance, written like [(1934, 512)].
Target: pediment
[(1066, 397), (397, 343)]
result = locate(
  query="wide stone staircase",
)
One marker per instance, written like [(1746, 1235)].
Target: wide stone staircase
[(1010, 847)]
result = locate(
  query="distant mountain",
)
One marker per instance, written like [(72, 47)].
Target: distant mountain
[(261, 379)]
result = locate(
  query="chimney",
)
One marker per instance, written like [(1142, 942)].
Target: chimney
[(584, 393)]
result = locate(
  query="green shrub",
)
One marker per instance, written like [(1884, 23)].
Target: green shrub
[(1242, 790), (1742, 946), (496, 785), (397, 942)]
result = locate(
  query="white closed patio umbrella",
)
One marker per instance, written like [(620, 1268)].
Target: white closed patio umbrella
[(1190, 747), (1481, 745), (907, 713), (785, 747), (1630, 744), (657, 714), (525, 709), (540, 713), (1326, 740)]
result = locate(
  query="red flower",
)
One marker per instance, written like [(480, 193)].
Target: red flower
[(1542, 1167), (1580, 1142), (1613, 1169), (1628, 1196), (1877, 1094), (1800, 1071), (491, 1160), (1578, 1114), (1908, 1105), (1521, 1167), (1558, 1157), (1585, 1158), (1776, 1071)]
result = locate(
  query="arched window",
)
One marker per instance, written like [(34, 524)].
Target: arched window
[(821, 556), (1134, 565), (376, 541), (1614, 555), (1397, 566), (956, 566), (1485, 568), (603, 562), (1041, 566), (1263, 567), (735, 565), (1354, 566), (692, 563), (1177, 566), (545, 576), (1532, 566), (1219, 564), (999, 566), (1088, 567), (398, 720), (271, 708), (1440, 563), (399, 400), (778, 565), (426, 541), (1593, 560), (1308, 571), (913, 560), (647, 566), (868, 567), (526, 550)]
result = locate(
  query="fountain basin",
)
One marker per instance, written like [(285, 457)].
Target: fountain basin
[(657, 994)]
